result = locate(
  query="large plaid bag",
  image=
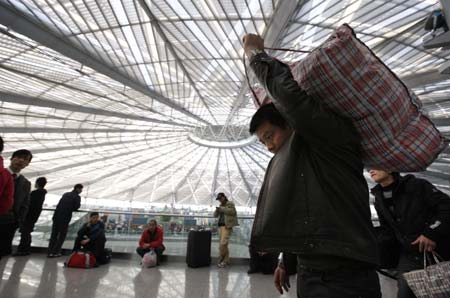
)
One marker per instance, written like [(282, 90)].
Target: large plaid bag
[(349, 79), (431, 282)]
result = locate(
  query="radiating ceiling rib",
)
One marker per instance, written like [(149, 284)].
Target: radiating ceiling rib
[(282, 14), (188, 174), (116, 171), (172, 51), (254, 159), (33, 101), (203, 172), (15, 129), (241, 172), (216, 172), (436, 174), (153, 175), (87, 91), (418, 79), (96, 145), (219, 38), (441, 121), (11, 18)]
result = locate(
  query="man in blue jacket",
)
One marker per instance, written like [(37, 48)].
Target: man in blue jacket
[(69, 203), (314, 200), (91, 236)]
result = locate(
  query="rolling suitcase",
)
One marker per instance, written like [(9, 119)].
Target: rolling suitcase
[(198, 249)]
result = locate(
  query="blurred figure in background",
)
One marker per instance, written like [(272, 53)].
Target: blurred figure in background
[(69, 203), (37, 198)]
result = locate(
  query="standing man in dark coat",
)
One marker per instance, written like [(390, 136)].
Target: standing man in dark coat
[(69, 203), (14, 218), (37, 198), (417, 214), (314, 201)]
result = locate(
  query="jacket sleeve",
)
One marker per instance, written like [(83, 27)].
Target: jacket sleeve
[(76, 203), (229, 209), (6, 191), (98, 232), (304, 113), (84, 230), (25, 202), (439, 204), (142, 240), (159, 238)]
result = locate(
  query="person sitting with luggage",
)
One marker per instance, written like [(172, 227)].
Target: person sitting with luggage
[(151, 238), (91, 237)]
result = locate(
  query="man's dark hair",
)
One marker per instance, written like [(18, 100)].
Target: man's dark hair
[(22, 152), (1, 144), (153, 221), (267, 113), (41, 182), (77, 186), (93, 214)]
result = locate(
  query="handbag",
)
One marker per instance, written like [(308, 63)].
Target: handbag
[(433, 281)]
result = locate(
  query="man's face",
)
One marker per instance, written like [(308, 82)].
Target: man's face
[(378, 176), (93, 220), (19, 163), (221, 200), (152, 227), (272, 136), (78, 190)]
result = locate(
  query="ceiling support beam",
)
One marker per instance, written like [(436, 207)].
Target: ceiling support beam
[(40, 102), (17, 21), (272, 36), (172, 51), (62, 130), (251, 194)]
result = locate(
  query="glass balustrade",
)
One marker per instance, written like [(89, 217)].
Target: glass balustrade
[(123, 231)]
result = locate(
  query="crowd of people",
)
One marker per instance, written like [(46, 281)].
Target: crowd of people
[(321, 225)]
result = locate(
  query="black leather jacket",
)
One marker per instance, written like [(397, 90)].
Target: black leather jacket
[(419, 209), (314, 200)]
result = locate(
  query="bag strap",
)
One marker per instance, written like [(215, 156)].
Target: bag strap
[(246, 72), (391, 222)]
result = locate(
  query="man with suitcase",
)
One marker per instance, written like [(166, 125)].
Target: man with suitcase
[(226, 213)]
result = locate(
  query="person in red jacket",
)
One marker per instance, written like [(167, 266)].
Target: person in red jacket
[(151, 238), (6, 185)]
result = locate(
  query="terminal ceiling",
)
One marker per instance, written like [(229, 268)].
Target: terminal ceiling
[(146, 101)]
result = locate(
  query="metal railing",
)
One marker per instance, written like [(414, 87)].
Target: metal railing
[(124, 228)]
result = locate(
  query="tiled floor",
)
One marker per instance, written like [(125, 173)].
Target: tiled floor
[(38, 277)]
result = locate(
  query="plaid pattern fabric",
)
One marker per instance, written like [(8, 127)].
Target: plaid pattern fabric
[(349, 79), (431, 282)]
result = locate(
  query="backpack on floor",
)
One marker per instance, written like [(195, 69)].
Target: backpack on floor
[(81, 259)]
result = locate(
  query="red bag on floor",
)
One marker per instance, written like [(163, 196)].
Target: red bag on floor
[(80, 259)]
